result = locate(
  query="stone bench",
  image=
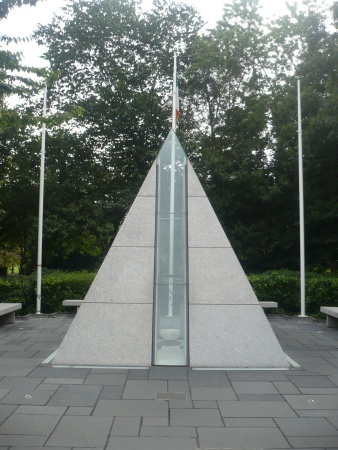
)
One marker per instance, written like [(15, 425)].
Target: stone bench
[(331, 315), (7, 312), (268, 304), (76, 303)]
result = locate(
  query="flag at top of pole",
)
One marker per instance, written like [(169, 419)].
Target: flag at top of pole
[(176, 106)]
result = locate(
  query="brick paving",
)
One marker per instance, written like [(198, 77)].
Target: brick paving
[(167, 408)]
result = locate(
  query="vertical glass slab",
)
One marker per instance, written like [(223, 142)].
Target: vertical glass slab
[(170, 327)]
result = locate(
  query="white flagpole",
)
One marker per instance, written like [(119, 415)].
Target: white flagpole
[(174, 93), (172, 199), (41, 193), (301, 206)]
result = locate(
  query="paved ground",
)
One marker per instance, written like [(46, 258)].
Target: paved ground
[(167, 408)]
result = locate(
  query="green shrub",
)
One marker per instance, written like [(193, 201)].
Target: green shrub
[(56, 287), (283, 287)]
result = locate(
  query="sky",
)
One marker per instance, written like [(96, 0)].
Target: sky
[(24, 20)]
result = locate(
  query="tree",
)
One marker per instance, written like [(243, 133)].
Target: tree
[(304, 35)]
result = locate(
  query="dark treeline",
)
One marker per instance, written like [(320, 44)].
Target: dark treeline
[(238, 123)]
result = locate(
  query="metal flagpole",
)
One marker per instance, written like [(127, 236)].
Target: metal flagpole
[(42, 184), (172, 198), (301, 206)]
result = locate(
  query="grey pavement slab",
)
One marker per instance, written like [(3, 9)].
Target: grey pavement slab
[(126, 426), (250, 422), (42, 410), (29, 424), (312, 402), (6, 411), (143, 389), (253, 387), (26, 397), (255, 409), (310, 442), (113, 379), (79, 411), (208, 378), (111, 393), (212, 393), (302, 426), (168, 373), (20, 382), (59, 372), (256, 375), (151, 443), (81, 431), (195, 418), (168, 431), (76, 395), (241, 438), (311, 381), (24, 441), (130, 408)]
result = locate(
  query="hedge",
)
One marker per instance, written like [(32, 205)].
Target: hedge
[(281, 286), (56, 286)]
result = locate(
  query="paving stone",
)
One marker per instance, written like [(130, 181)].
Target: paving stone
[(306, 427), (79, 411), (48, 387), (249, 422), (168, 373), (23, 441), (207, 404), (29, 424), (107, 379), (59, 372), (261, 397), (208, 378), (313, 401), (254, 387), (155, 422), (324, 391), (309, 442), (138, 374), (6, 411), (19, 354), (143, 389), (81, 431), (111, 393), (212, 393), (109, 370), (126, 426), (4, 392), (256, 375), (63, 381), (42, 410), (168, 431), (311, 381), (26, 397), (255, 409), (24, 362), (285, 387), (75, 395), (241, 438), (151, 443), (317, 412), (20, 383), (195, 418), (129, 408), (12, 371)]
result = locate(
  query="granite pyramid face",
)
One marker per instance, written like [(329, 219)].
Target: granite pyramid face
[(227, 326)]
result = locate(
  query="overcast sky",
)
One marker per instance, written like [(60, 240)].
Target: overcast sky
[(22, 21)]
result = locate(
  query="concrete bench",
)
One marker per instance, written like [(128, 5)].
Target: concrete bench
[(268, 304), (77, 303), (331, 315), (7, 312)]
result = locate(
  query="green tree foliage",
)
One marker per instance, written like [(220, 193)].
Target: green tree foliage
[(238, 123)]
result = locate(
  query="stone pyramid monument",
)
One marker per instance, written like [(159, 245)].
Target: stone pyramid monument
[(171, 290)]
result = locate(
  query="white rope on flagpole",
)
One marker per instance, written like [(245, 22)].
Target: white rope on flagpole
[(41, 194), (301, 206)]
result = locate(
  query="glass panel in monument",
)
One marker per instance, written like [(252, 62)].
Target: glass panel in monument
[(170, 329)]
